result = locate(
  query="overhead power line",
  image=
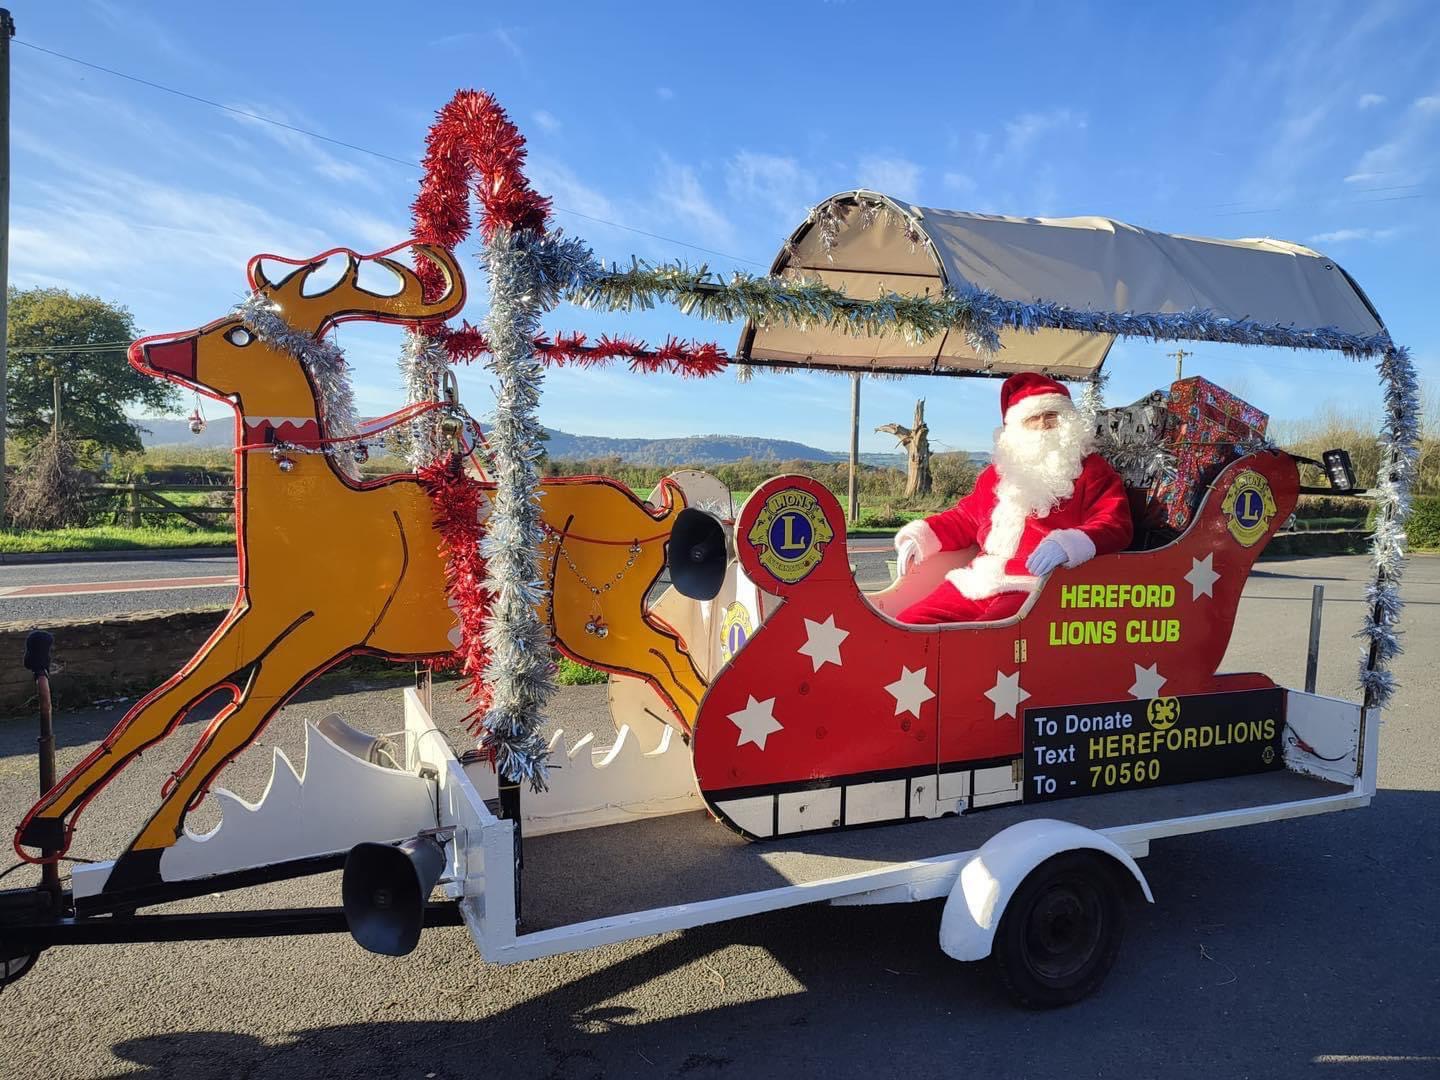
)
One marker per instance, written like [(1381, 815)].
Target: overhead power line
[(104, 346), (263, 119)]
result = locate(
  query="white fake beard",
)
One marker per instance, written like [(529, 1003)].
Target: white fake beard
[(1037, 471)]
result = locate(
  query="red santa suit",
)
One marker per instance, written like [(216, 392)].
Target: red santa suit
[(1044, 487)]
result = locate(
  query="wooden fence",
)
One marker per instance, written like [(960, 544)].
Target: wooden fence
[(136, 498)]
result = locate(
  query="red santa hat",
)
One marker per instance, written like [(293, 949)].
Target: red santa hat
[(1028, 394)]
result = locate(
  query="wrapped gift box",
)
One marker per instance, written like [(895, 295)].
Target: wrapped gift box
[(1209, 428), (1132, 439)]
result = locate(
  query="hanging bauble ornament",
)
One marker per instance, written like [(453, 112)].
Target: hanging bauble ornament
[(361, 453), (285, 463), (597, 627), (197, 423)]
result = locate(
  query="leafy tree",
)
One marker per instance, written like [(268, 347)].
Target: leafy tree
[(97, 388)]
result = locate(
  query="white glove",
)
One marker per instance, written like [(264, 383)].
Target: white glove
[(914, 544), (907, 551), (1046, 557)]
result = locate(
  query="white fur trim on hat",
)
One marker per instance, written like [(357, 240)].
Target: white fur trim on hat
[(922, 534), (1036, 404), (1077, 545)]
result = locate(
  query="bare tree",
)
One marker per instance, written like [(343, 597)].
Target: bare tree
[(48, 490), (916, 441)]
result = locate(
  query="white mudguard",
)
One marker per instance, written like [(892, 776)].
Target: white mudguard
[(991, 876)]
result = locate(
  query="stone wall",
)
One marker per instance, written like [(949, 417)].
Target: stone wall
[(103, 658)]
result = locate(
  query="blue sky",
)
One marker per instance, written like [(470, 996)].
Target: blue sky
[(719, 125)]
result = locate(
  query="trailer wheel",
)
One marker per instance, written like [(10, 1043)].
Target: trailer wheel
[(15, 967), (1061, 931)]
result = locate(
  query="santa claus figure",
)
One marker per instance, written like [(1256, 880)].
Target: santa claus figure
[(1045, 502)]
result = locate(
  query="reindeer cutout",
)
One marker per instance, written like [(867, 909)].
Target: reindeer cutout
[(331, 567)]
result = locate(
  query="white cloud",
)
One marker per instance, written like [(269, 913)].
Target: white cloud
[(145, 32), (777, 182), (107, 229), (365, 232), (956, 181), (683, 199), (568, 190), (1408, 154), (303, 147), (1344, 236), (546, 120), (1369, 101), (1023, 132), (664, 93), (507, 39), (895, 176)]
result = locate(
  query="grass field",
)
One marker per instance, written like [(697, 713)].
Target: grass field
[(113, 538)]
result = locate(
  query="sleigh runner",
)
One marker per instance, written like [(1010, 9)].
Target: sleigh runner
[(1017, 768)]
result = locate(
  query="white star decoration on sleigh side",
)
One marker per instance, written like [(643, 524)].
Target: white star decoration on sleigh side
[(756, 722), (1148, 682), (1007, 694), (910, 691), (822, 642), (1202, 577)]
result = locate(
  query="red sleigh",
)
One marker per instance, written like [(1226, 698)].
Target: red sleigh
[(834, 715)]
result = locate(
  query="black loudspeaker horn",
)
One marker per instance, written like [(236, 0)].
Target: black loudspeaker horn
[(697, 554), (384, 891), (37, 651)]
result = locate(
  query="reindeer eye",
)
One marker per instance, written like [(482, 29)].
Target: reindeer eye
[(239, 336)]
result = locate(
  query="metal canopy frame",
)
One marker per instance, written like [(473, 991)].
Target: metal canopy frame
[(835, 219)]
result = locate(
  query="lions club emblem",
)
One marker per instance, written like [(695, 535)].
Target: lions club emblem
[(735, 630), (1248, 507), (790, 534)]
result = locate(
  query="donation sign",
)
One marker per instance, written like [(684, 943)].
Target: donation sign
[(1115, 746)]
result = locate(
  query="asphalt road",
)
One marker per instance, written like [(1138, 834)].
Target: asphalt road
[(1302, 948), (48, 593), (44, 594)]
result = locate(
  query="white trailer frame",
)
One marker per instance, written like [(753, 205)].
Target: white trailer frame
[(482, 875)]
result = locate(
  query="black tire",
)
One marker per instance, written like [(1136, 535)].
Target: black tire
[(1061, 931), (16, 967)]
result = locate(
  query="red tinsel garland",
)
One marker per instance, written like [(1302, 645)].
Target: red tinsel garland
[(692, 359), (458, 502), (473, 139)]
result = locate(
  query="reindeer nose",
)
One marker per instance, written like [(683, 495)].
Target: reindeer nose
[(172, 357)]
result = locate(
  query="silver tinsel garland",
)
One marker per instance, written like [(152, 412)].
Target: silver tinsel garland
[(978, 314), (981, 316), (1092, 398), (325, 363), (1399, 455), (423, 363), (527, 275)]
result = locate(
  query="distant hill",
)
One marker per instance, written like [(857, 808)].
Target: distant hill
[(219, 432), (692, 450), (697, 449)]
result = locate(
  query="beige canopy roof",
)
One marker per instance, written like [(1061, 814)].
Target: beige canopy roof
[(870, 245)]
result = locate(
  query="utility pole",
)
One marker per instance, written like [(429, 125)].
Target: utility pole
[(55, 422), (854, 448), (1179, 355), (7, 31)]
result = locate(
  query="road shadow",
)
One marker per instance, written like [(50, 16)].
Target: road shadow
[(1272, 951)]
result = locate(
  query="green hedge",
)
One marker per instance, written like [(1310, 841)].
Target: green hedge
[(1423, 528), (569, 673)]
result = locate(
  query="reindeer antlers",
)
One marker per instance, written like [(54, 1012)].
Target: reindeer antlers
[(347, 299)]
